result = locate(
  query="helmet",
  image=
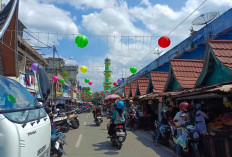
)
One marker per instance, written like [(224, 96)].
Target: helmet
[(183, 106), (120, 104), (198, 106)]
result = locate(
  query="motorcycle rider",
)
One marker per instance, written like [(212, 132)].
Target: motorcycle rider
[(98, 110), (178, 122), (118, 118)]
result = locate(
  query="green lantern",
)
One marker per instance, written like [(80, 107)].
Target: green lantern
[(79, 94), (133, 70), (104, 92), (61, 80), (11, 98), (81, 41), (90, 92), (86, 80)]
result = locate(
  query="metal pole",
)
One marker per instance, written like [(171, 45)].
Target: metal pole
[(53, 59)]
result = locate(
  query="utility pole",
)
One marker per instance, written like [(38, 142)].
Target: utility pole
[(53, 67)]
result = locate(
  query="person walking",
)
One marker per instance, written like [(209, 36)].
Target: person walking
[(200, 117), (132, 116)]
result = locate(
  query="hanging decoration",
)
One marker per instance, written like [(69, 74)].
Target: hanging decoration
[(106, 91), (90, 92), (83, 69), (55, 78), (133, 70), (34, 66), (109, 91), (11, 98), (115, 83), (99, 97), (81, 41), (61, 80), (75, 91), (79, 94), (86, 80), (90, 83), (164, 41), (120, 81), (69, 90), (102, 94)]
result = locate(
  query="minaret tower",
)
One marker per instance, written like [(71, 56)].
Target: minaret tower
[(107, 73)]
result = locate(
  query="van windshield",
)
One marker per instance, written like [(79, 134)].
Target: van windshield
[(14, 96)]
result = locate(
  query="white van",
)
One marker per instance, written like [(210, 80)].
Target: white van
[(25, 129)]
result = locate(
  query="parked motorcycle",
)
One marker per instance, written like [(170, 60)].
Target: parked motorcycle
[(73, 120), (98, 119), (118, 137), (165, 131), (57, 141), (61, 121)]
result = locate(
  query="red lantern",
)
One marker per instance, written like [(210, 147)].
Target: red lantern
[(75, 91), (102, 94), (164, 41), (115, 84)]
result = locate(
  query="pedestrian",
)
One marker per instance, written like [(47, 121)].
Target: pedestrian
[(178, 122), (132, 116), (200, 117), (136, 119)]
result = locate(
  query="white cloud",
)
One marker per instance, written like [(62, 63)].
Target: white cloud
[(41, 17)]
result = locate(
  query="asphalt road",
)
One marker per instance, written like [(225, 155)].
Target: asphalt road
[(90, 140)]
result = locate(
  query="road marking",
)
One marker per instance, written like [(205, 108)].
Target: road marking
[(79, 141), (84, 123)]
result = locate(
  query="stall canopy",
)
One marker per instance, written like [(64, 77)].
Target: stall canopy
[(133, 88), (112, 97), (126, 91), (142, 86), (157, 81)]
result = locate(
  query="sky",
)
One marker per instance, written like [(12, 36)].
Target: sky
[(123, 30)]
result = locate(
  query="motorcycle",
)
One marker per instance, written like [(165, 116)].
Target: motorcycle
[(118, 137), (98, 119), (57, 141), (73, 120), (165, 134), (190, 142), (61, 121)]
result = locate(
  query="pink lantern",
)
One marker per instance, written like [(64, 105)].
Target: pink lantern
[(106, 91), (90, 83), (55, 78)]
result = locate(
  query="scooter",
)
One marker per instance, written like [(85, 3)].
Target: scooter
[(73, 120), (118, 137), (165, 134), (190, 141), (57, 141), (62, 122), (98, 119)]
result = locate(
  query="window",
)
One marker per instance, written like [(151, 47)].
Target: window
[(22, 98)]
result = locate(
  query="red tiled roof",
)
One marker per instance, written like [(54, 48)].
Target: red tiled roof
[(158, 80), (126, 90), (223, 51), (143, 84), (187, 71), (133, 87)]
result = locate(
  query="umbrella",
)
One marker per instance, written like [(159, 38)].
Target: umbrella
[(112, 97)]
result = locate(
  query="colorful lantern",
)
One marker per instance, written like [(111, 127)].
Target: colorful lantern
[(120, 81), (133, 70), (115, 84), (90, 83), (106, 91), (102, 94), (83, 69), (86, 80), (34, 66), (61, 80), (69, 90), (81, 41), (55, 78), (99, 97), (75, 91), (109, 91), (79, 94), (90, 92), (164, 42)]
